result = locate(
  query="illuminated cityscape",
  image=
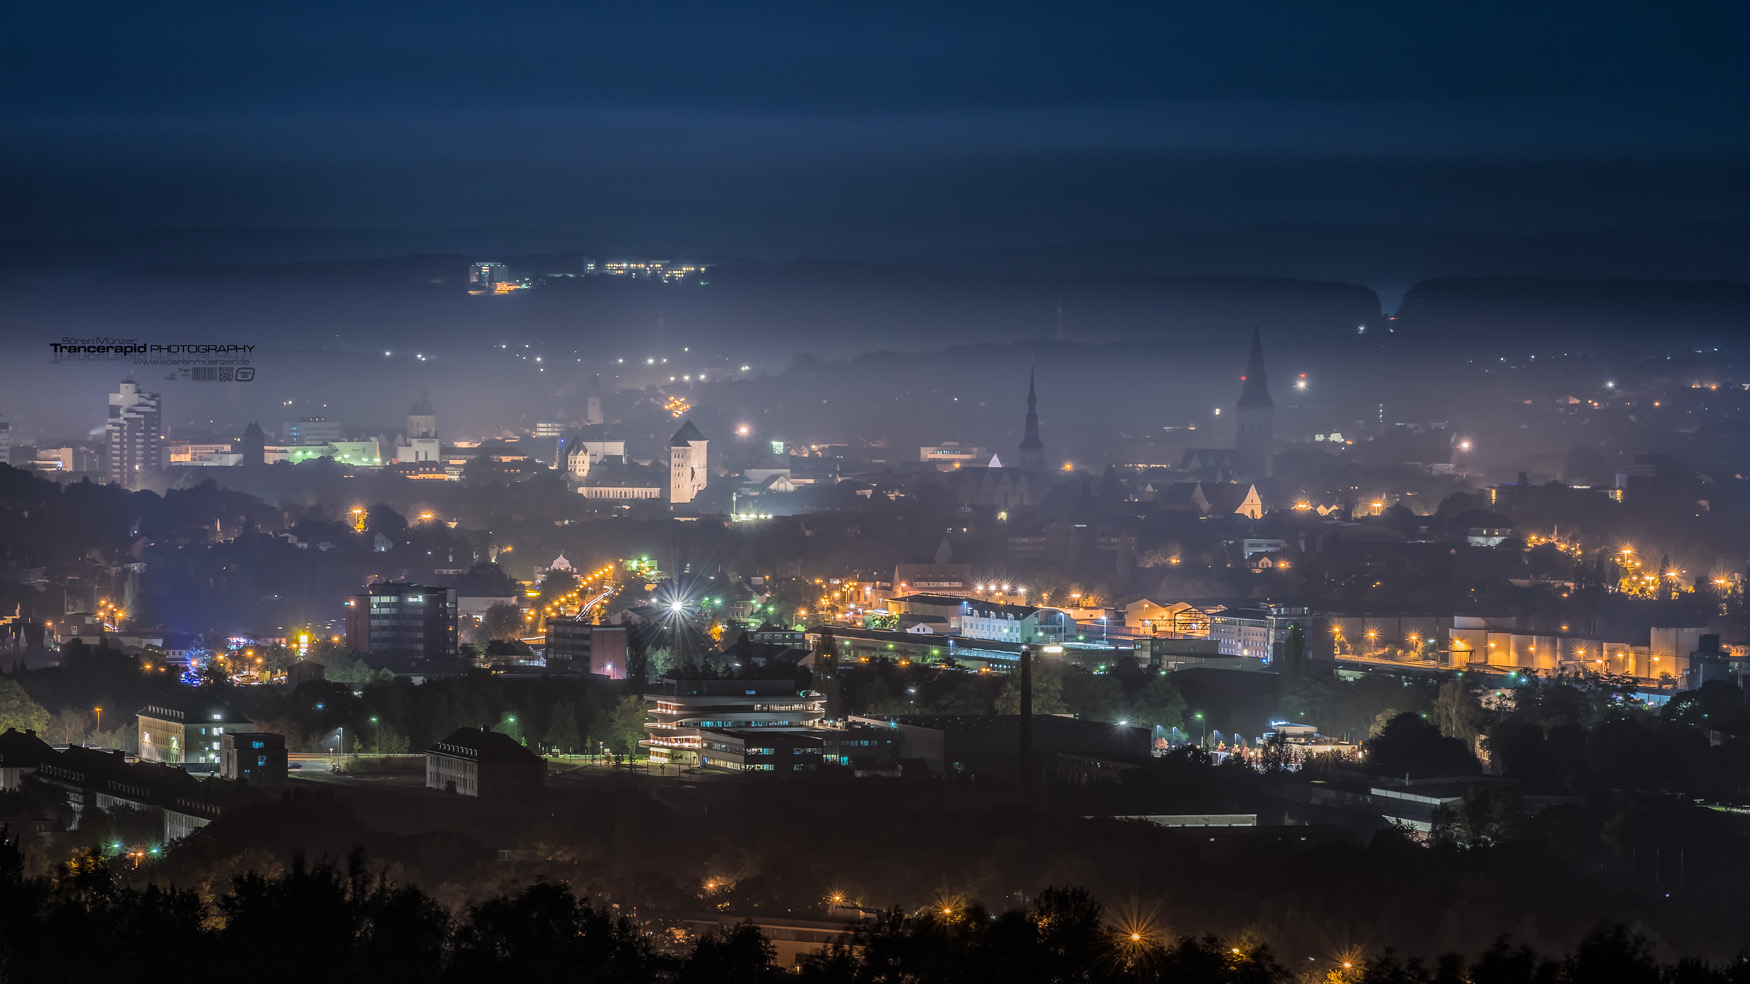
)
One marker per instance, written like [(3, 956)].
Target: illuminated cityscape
[(862, 495)]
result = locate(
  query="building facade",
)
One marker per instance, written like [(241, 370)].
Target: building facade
[(189, 732), (679, 717), (483, 763), (1014, 623), (134, 433), (421, 420), (487, 273), (579, 643), (403, 623), (253, 756), (687, 472), (313, 432)]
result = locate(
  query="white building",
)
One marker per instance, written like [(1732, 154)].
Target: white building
[(419, 449), (135, 432)]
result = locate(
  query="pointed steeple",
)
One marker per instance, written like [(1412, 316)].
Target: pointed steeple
[(1032, 448), (1255, 389), (1030, 441)]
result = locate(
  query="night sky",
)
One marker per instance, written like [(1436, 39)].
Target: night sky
[(776, 130)]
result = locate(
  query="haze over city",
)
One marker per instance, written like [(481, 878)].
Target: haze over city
[(932, 493)]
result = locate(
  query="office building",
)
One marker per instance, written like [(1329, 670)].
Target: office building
[(578, 643), (1259, 633), (312, 432), (686, 464), (783, 752), (253, 756), (686, 710), (5, 442), (987, 746), (188, 731), (135, 432), (483, 763), (1014, 623), (487, 273), (403, 623)]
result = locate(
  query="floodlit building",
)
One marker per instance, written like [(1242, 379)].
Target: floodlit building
[(135, 433), (1013, 623), (483, 763), (686, 464), (188, 731)]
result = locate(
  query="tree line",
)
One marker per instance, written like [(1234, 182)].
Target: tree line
[(347, 922)]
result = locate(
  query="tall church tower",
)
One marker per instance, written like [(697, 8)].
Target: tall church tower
[(1032, 449), (686, 464), (1255, 415), (421, 419)]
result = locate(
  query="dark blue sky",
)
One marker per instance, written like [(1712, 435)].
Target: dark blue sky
[(783, 128)]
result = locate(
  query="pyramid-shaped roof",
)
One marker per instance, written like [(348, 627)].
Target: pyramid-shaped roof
[(1255, 391), (685, 436)]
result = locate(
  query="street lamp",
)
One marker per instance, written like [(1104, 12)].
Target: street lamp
[(1203, 742), (379, 736), (99, 711)]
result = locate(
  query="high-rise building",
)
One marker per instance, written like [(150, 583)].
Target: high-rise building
[(1254, 417), (5, 442), (135, 433), (402, 623), (421, 419), (686, 464), (1032, 448), (487, 273)]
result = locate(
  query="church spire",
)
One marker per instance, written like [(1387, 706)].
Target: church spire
[(1032, 448), (1255, 389)]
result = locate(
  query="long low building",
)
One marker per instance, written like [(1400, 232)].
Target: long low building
[(99, 779), (679, 716), (483, 763), (987, 746)]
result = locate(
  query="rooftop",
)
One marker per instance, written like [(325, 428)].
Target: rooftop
[(484, 745)]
